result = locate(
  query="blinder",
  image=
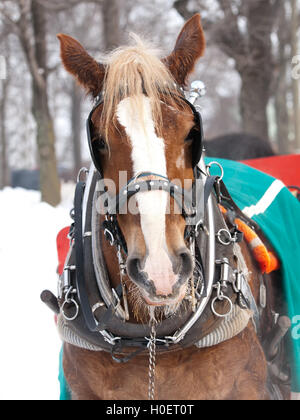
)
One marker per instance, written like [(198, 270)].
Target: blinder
[(197, 136), (94, 145)]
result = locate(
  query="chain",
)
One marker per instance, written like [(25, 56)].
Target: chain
[(152, 361)]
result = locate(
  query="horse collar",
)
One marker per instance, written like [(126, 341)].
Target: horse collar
[(101, 319)]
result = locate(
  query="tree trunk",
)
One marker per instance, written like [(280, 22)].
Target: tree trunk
[(253, 104), (281, 85), (257, 70), (111, 23), (282, 117), (252, 52), (5, 82), (76, 127), (4, 175), (295, 83), (49, 180)]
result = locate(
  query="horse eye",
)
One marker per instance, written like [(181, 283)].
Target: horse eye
[(99, 144), (191, 135)]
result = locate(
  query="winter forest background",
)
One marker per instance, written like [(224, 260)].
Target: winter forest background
[(251, 70)]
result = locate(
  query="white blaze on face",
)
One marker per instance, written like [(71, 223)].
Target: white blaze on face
[(148, 155)]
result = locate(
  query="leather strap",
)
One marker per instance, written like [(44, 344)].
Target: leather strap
[(79, 258)]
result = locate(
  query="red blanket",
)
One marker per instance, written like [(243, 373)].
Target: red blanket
[(285, 168), (63, 246)]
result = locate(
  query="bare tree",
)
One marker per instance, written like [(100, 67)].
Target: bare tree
[(31, 30), (4, 175), (244, 34), (61, 6), (111, 23), (4, 85), (109, 11), (295, 83), (281, 85), (76, 107)]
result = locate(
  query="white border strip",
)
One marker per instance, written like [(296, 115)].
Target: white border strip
[(266, 200)]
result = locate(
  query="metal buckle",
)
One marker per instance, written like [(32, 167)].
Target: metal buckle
[(222, 285), (240, 286), (70, 300), (227, 237), (64, 281), (109, 338), (112, 238), (225, 271), (117, 303)]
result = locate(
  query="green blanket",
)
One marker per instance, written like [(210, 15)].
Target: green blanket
[(65, 394), (277, 212)]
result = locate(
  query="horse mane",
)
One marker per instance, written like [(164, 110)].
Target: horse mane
[(134, 71)]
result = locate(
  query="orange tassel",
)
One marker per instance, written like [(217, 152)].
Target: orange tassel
[(267, 260), (274, 263)]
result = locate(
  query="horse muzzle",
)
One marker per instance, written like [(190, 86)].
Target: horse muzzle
[(161, 285)]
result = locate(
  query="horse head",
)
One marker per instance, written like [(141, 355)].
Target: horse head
[(143, 128)]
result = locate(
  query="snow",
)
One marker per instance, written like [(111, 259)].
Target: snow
[(28, 260)]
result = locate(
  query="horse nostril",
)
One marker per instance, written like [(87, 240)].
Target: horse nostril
[(135, 271), (133, 267), (186, 263)]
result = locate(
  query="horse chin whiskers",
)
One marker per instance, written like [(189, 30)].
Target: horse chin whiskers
[(144, 312)]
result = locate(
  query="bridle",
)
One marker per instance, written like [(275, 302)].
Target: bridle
[(190, 203), (197, 134), (193, 204)]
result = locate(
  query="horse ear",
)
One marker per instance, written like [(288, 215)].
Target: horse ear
[(88, 72), (190, 46)]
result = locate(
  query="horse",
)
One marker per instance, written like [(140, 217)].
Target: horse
[(142, 125), (238, 146)]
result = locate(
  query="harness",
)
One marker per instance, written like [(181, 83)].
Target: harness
[(93, 311), (95, 314)]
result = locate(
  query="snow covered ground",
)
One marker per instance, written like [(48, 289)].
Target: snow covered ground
[(30, 345)]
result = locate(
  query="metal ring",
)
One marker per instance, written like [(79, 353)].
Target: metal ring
[(223, 242), (76, 306), (221, 299), (97, 306), (82, 171), (219, 165), (112, 238)]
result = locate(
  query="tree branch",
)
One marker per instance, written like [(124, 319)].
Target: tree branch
[(182, 8), (25, 37), (7, 18), (57, 6)]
